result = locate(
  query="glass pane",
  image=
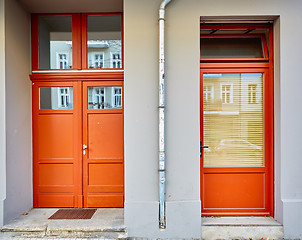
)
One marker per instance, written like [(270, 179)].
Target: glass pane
[(233, 120), (56, 97), (231, 48), (104, 43), (55, 42), (104, 97)]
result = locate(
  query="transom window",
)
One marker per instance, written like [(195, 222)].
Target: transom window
[(76, 41)]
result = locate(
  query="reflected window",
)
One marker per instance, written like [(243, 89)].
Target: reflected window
[(252, 93), (117, 97), (208, 92), (104, 35), (55, 42), (62, 60), (56, 97), (116, 60), (105, 97), (226, 93)]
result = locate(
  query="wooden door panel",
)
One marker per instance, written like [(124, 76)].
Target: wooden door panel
[(57, 150), (105, 136), (55, 136), (234, 191), (103, 133)]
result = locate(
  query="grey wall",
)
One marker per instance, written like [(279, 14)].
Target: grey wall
[(182, 65), (18, 111), (2, 112)]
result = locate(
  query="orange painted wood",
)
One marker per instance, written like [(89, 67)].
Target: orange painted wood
[(241, 191), (103, 133), (236, 190), (57, 174), (79, 76)]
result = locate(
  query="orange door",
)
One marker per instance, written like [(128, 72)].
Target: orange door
[(57, 167), (103, 144), (236, 142), (78, 147)]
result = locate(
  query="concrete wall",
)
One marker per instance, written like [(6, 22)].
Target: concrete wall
[(182, 75), (2, 112), (18, 111)]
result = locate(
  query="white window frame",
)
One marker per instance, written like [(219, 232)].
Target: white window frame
[(115, 96), (206, 92), (119, 60), (231, 92), (66, 98), (64, 60), (99, 61)]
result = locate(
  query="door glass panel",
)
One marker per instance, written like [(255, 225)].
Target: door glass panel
[(104, 97), (233, 120), (104, 43), (56, 97), (55, 42), (231, 47)]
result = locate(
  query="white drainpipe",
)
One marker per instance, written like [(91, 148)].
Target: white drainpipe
[(161, 109)]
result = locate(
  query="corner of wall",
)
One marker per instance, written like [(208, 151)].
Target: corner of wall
[(278, 213), (2, 113)]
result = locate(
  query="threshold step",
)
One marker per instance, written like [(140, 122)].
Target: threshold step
[(241, 228)]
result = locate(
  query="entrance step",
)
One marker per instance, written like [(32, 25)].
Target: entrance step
[(106, 223), (241, 228)]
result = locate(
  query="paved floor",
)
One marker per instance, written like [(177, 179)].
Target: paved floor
[(106, 223)]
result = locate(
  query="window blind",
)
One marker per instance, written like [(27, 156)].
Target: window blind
[(233, 120)]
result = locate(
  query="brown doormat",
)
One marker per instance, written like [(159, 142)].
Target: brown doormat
[(75, 213)]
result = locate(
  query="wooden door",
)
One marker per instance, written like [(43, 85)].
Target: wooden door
[(103, 144), (236, 141), (57, 165), (78, 144)]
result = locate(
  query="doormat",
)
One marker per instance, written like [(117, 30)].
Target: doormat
[(76, 213)]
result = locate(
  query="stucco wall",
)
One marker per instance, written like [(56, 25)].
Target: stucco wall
[(182, 75), (2, 112), (18, 111)]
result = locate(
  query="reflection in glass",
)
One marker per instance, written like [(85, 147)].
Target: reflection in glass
[(233, 120), (56, 97), (104, 41), (231, 47), (104, 97), (55, 42)]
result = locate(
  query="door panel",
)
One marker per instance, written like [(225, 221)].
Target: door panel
[(57, 159), (236, 166), (103, 135)]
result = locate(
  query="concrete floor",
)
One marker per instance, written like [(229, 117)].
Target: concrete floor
[(105, 223)]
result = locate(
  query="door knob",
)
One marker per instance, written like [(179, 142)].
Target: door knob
[(84, 146)]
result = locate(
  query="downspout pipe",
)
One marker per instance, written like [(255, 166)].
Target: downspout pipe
[(161, 116)]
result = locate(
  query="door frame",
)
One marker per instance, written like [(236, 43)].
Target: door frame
[(57, 79), (237, 65)]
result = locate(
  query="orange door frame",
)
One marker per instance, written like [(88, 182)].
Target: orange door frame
[(265, 66)]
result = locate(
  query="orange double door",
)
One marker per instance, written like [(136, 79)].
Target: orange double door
[(78, 144)]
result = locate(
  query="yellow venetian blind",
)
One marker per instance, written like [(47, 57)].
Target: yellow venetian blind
[(233, 120)]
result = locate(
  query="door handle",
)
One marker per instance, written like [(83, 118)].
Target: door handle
[(84, 149), (201, 147)]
